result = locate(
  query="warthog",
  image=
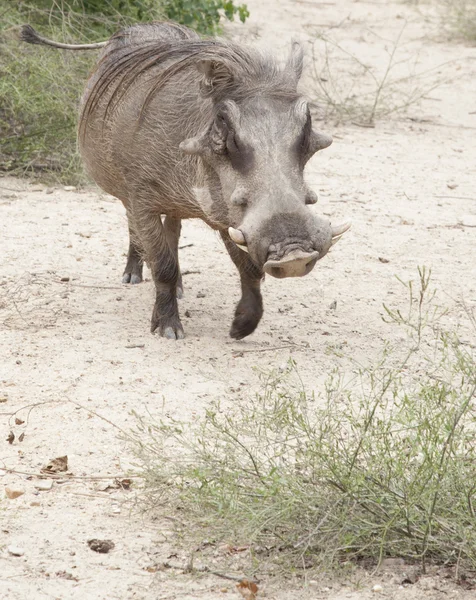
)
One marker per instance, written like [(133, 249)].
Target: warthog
[(178, 127)]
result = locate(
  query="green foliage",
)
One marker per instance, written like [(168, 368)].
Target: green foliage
[(40, 87), (459, 18), (380, 465), (203, 15)]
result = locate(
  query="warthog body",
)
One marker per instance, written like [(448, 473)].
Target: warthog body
[(179, 127)]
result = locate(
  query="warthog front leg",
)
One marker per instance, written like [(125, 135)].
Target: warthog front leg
[(133, 271), (172, 229), (163, 263), (249, 310)]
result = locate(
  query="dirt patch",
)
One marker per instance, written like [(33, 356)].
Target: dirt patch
[(75, 343)]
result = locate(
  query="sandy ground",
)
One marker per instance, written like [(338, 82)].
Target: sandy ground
[(80, 348)]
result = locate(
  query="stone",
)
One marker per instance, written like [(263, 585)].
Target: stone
[(13, 492), (15, 551), (44, 485), (468, 221)]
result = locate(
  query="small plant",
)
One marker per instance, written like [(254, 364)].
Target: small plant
[(347, 89), (459, 19), (382, 464)]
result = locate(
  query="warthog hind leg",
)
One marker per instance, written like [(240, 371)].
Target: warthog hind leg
[(162, 260), (133, 271), (249, 310)]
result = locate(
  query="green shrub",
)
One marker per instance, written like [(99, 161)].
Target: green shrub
[(40, 87), (383, 464), (203, 15), (459, 18)]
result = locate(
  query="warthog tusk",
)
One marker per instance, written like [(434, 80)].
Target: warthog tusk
[(335, 239), (237, 236), (338, 230)]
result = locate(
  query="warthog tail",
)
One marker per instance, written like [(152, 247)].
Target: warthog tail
[(29, 35)]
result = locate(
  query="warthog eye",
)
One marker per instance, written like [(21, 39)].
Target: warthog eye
[(303, 146), (232, 143)]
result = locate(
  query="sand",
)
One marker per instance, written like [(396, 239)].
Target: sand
[(75, 347)]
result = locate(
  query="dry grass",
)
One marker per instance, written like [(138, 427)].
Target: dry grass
[(347, 89)]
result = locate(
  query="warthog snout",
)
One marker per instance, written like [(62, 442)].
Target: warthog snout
[(296, 264)]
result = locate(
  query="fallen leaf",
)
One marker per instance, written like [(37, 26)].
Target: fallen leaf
[(11, 437), (18, 421), (247, 589), (151, 569), (101, 546), (56, 465), (119, 484), (229, 549), (383, 260), (66, 575), (21, 437), (124, 484)]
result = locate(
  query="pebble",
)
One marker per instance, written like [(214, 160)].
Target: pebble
[(44, 485), (377, 588), (69, 188), (16, 551), (13, 493), (116, 510), (468, 221), (35, 503)]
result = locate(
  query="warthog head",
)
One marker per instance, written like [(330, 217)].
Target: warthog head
[(255, 150)]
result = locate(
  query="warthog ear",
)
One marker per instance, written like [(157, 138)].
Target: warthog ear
[(319, 141), (216, 75), (294, 63)]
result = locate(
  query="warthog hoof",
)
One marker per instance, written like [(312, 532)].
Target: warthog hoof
[(170, 328), (247, 315), (173, 334), (131, 278)]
